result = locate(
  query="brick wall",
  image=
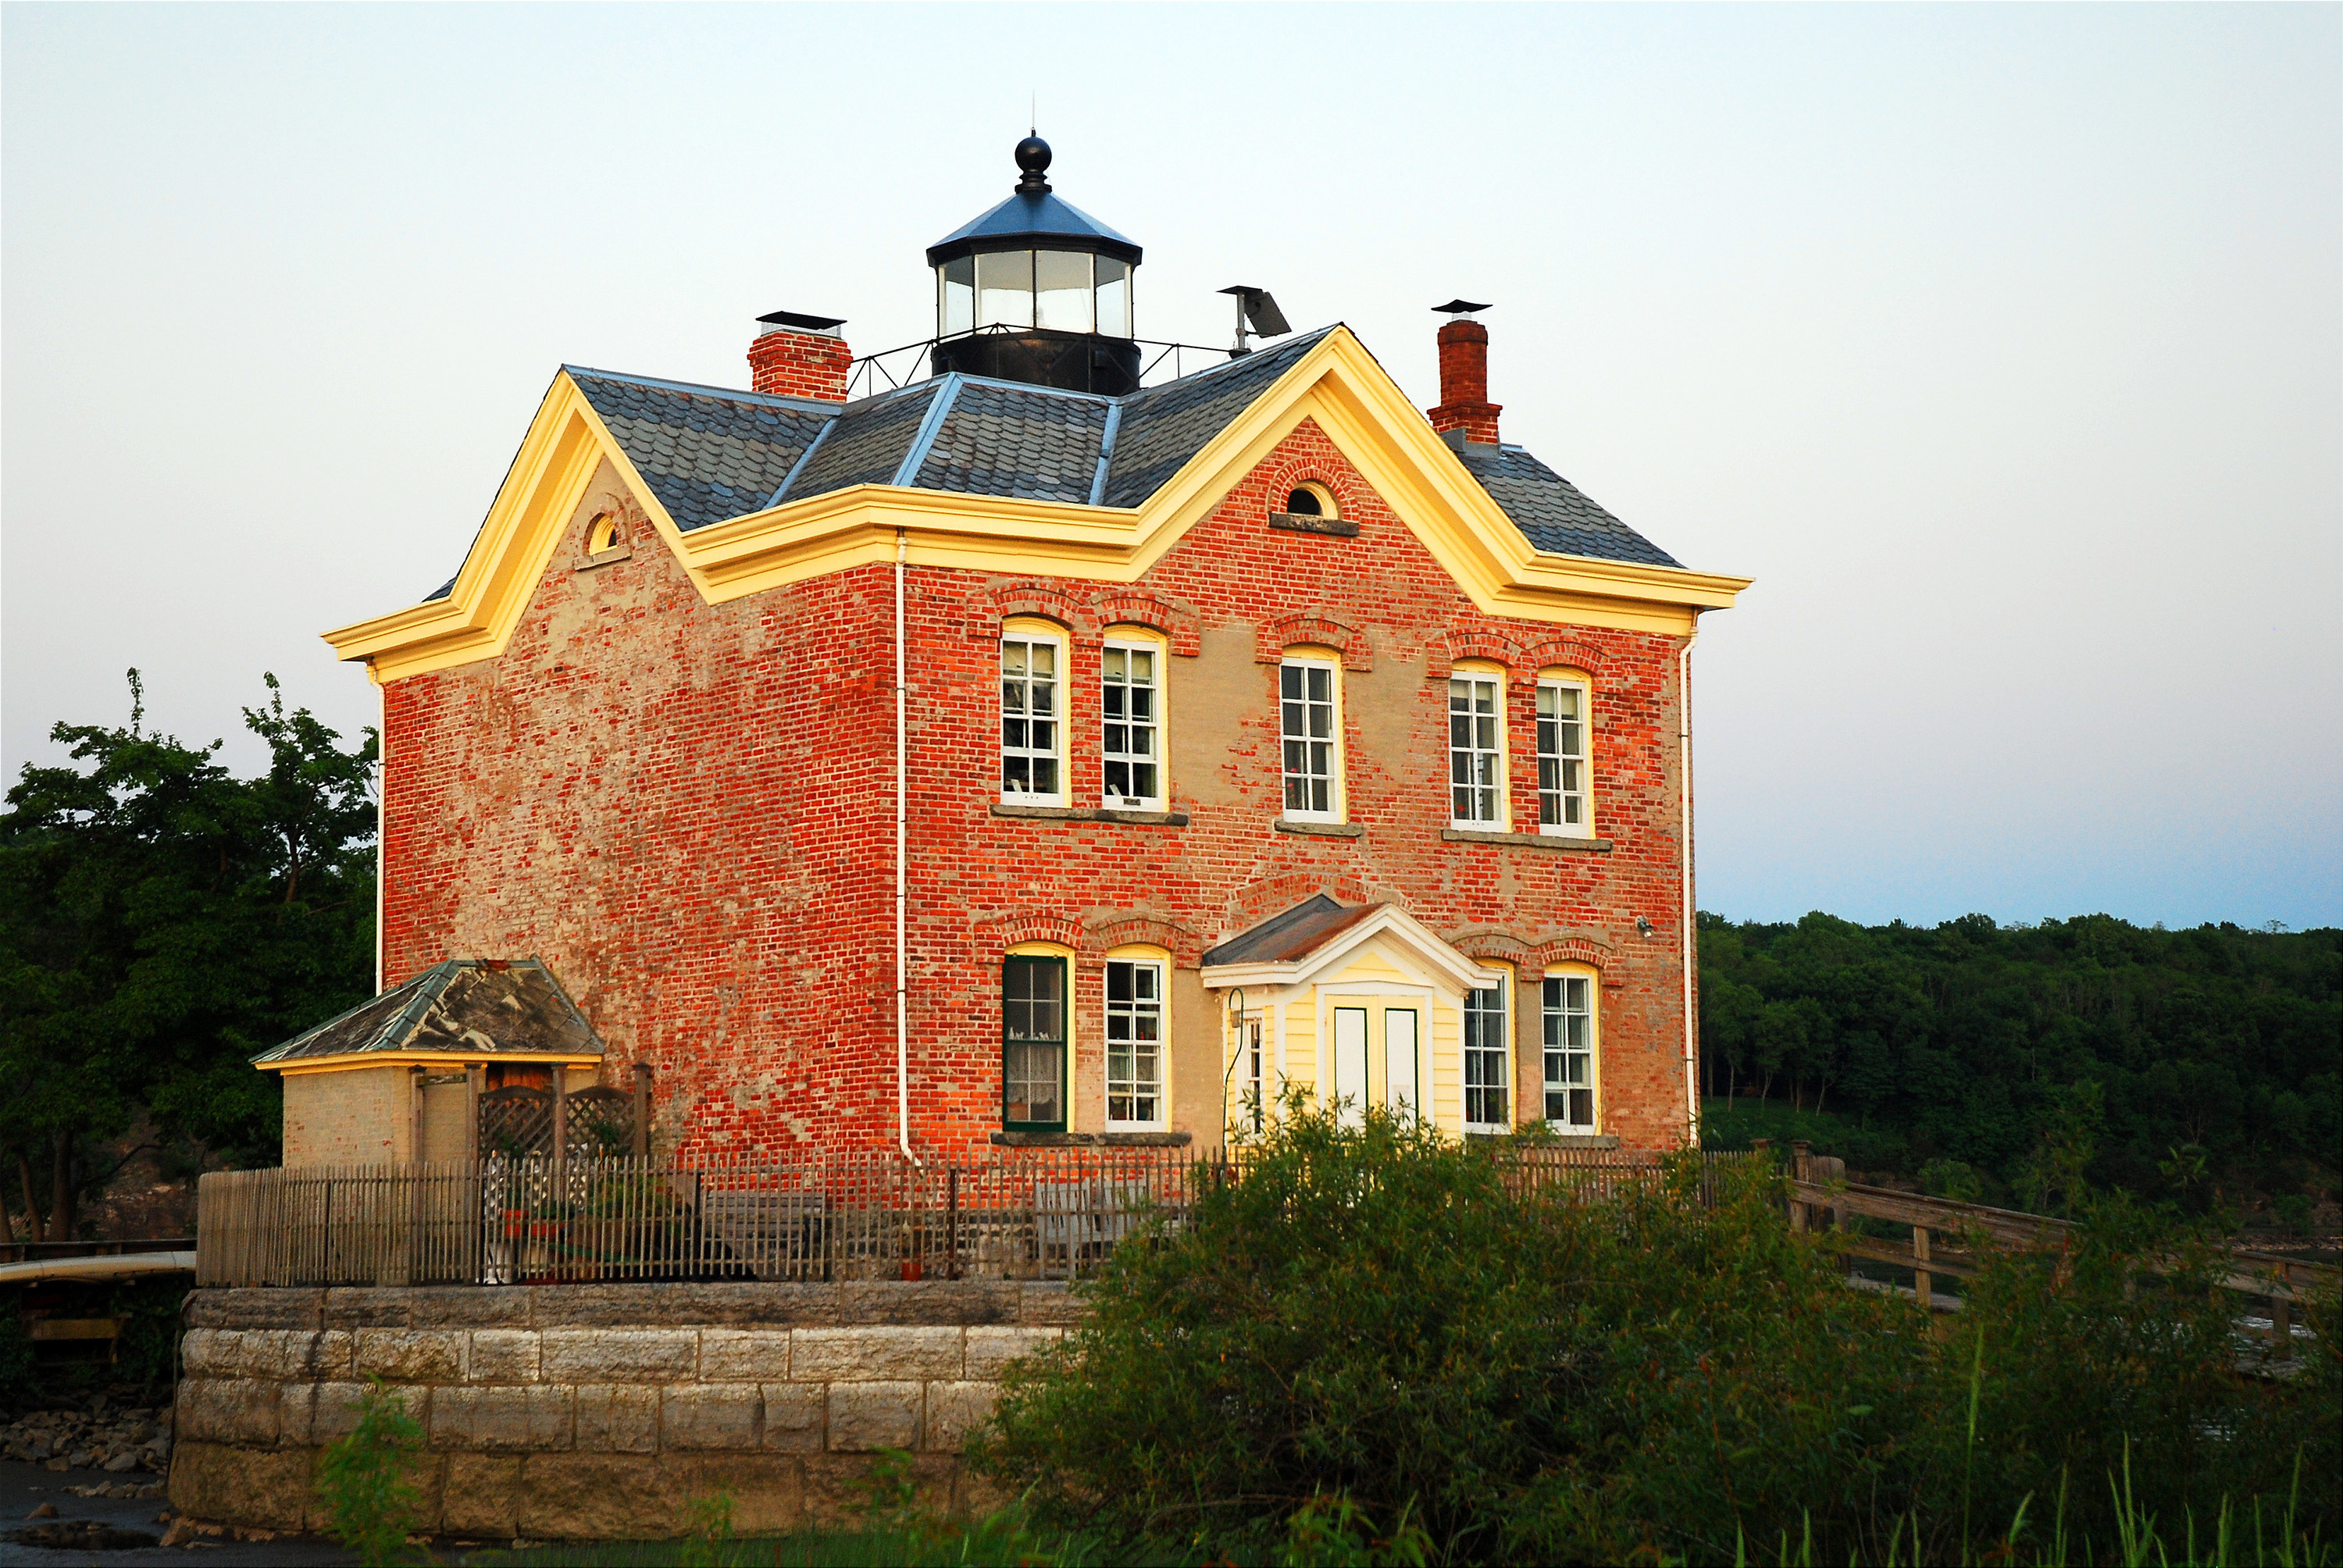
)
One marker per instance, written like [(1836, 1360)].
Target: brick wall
[(686, 811), (600, 1412), (359, 1116)]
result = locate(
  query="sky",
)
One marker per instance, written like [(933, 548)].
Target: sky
[(2001, 345)]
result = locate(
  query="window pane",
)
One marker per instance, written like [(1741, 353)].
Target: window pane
[(1114, 298), (1127, 698), (1486, 1074), (1134, 1026), (1005, 288), (1029, 703), (1474, 752), (1307, 717), (956, 311), (1061, 283)]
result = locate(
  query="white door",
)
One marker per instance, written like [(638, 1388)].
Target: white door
[(1399, 1059), (1351, 1063)]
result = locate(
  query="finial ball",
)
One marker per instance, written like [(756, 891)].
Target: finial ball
[(1033, 156)]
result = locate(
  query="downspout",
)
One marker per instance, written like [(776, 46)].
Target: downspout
[(1683, 756), (902, 944), (381, 815)]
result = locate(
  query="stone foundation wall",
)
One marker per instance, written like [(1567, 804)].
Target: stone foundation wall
[(600, 1411)]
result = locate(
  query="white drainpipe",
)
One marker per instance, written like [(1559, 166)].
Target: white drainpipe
[(381, 815), (902, 944), (1684, 755)]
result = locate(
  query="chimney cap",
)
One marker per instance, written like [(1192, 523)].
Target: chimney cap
[(826, 325), (1458, 307)]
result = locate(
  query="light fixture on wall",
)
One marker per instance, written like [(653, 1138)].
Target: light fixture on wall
[(1643, 927), (1236, 1038)]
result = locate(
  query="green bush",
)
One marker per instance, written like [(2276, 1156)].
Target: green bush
[(371, 1504), (1371, 1338)]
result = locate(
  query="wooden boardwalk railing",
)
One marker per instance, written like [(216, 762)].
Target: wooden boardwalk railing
[(1816, 1189), (1052, 1213)]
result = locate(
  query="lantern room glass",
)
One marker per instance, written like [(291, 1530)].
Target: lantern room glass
[(1059, 290), (1005, 288)]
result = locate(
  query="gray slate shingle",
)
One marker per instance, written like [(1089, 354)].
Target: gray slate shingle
[(1163, 426), (1553, 514), (710, 454), (868, 444), (1021, 441)]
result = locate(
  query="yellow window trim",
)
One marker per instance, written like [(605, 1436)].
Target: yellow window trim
[(1337, 384)]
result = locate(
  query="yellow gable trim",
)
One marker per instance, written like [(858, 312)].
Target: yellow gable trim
[(1337, 383), (443, 1060)]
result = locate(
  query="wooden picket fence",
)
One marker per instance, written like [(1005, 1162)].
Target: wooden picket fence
[(1025, 1213)]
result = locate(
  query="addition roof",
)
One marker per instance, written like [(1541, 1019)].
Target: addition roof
[(463, 1007), (1298, 932), (712, 455)]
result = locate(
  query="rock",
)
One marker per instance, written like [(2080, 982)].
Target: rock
[(56, 1464), (152, 1489), (180, 1532), (79, 1459), (45, 1510), (126, 1460)]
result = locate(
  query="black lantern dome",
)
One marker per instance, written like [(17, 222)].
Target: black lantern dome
[(1037, 290)]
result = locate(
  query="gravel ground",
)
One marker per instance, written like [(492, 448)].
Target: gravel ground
[(24, 1489)]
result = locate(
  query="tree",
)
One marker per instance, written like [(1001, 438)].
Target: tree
[(161, 920)]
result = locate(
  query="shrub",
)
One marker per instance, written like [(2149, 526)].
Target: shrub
[(369, 1502), (1373, 1339)]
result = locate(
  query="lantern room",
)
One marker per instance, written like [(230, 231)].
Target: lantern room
[(1037, 290)]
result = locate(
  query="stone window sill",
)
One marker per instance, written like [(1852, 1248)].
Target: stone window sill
[(607, 557), (1321, 829), (1557, 1141), (1301, 523), (1091, 814), (1528, 840), (1091, 1139)]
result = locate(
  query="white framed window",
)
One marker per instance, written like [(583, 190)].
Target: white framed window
[(1252, 1067), (1130, 704), (1033, 1042), (1309, 725), (1134, 1042), (1564, 806), (1488, 1075), (1570, 1053), (1476, 750), (1032, 714)]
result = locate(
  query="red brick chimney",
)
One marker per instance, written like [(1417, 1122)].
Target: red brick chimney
[(1465, 383), (799, 356)]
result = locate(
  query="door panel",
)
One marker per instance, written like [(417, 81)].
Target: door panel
[(1400, 1059), (1351, 1062)]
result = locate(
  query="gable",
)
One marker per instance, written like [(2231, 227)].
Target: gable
[(1184, 445)]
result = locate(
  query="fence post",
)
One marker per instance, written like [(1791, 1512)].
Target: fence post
[(2282, 1326), (1921, 1282), (473, 1073), (1802, 1168)]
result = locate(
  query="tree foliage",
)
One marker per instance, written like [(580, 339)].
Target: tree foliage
[(2211, 1053), (162, 920)]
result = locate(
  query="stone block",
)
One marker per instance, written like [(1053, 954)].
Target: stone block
[(870, 1415), (875, 1354), (837, 1486), (744, 1355), (793, 1416), (425, 1307), (955, 1410), (991, 1349), (334, 1408), (246, 1411), (781, 1304), (411, 1355), (255, 1308), (1042, 1305), (936, 1302), (211, 1353), (768, 1491), (700, 1416), (325, 1356), (502, 1355), (603, 1496), (483, 1496), (618, 1418), (618, 1355), (262, 1487), (533, 1418)]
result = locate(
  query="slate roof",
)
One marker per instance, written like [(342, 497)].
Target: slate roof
[(711, 454), (1551, 513), (464, 1007), (1024, 441), (1300, 930)]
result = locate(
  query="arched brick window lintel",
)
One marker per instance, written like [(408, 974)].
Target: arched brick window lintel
[(1276, 635), (1175, 621)]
